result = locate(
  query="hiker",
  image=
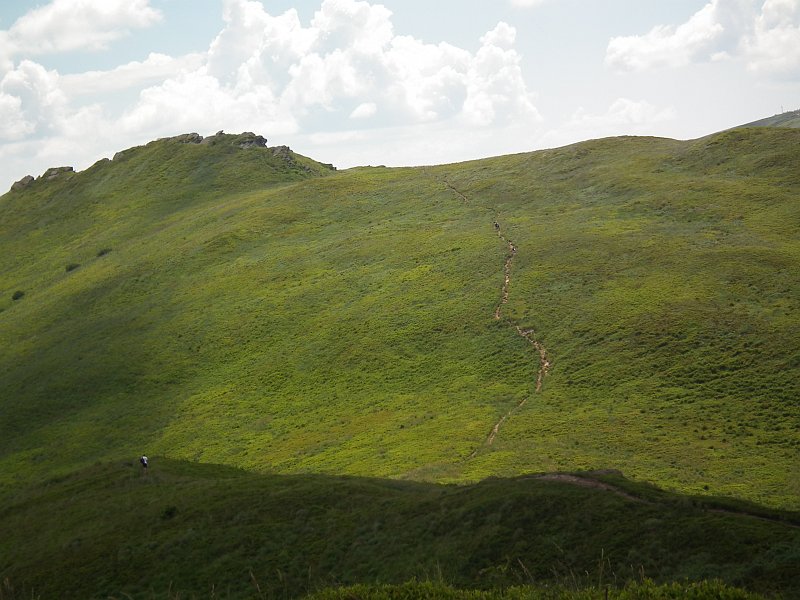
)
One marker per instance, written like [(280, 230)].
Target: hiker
[(143, 461), (496, 225)]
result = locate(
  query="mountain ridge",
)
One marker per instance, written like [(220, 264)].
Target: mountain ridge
[(165, 280)]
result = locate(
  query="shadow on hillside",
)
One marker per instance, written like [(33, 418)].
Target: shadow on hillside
[(113, 528)]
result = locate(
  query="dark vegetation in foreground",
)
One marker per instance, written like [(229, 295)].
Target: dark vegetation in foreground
[(186, 528), (646, 590)]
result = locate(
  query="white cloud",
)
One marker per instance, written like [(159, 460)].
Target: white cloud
[(13, 125), (526, 3), (155, 68), (33, 94), (267, 73), (774, 45), (365, 110), (666, 46), (66, 25), (623, 117), (348, 63), (766, 36)]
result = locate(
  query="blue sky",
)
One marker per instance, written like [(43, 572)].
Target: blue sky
[(395, 82)]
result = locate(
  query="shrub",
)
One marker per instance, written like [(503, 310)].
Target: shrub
[(72, 267), (17, 295), (103, 252)]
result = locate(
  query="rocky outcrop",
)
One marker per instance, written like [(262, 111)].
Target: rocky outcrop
[(285, 153), (213, 139), (186, 138), (22, 183), (54, 172), (251, 140), (49, 174)]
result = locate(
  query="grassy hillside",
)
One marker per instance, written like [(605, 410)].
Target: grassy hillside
[(254, 308), (186, 529)]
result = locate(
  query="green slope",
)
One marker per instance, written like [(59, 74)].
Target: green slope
[(187, 529), (277, 316)]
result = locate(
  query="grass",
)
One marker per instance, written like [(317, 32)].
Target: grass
[(185, 529), (329, 337), (277, 316)]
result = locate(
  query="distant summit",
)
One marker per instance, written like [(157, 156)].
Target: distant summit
[(786, 119)]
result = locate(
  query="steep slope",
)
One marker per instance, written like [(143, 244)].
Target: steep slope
[(253, 313)]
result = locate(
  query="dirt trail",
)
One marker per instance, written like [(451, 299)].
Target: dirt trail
[(512, 252), (455, 191), (588, 482), (527, 334)]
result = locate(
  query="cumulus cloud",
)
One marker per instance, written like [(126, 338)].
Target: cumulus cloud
[(365, 110), (65, 25), (774, 44), (348, 63), (13, 125), (155, 68), (32, 96), (271, 73), (526, 3), (765, 35), (667, 46)]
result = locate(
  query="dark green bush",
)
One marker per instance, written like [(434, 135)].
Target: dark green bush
[(17, 295), (72, 267), (103, 252)]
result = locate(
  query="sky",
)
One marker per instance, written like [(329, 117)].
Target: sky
[(391, 82)]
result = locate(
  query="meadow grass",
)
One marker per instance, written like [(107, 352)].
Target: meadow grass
[(234, 307)]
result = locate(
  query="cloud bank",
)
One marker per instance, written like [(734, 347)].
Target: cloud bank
[(765, 35)]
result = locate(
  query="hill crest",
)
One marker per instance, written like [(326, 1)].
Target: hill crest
[(242, 141)]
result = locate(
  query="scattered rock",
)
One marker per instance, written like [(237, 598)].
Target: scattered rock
[(22, 183)]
